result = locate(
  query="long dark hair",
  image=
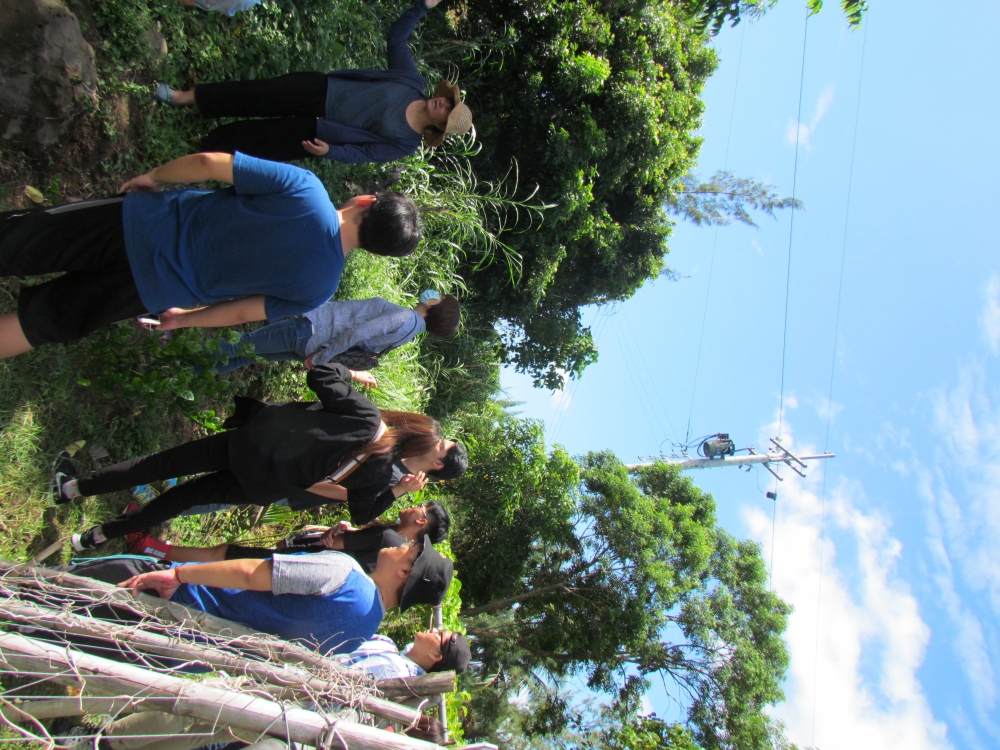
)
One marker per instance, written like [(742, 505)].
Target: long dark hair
[(408, 435)]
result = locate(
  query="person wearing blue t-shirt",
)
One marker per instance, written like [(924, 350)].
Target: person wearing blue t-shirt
[(269, 247), (325, 599)]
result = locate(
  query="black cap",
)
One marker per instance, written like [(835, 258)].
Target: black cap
[(455, 654), (429, 578)]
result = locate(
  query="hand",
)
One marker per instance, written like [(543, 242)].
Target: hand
[(344, 526), (144, 183), (410, 483), (365, 378), (163, 582), (327, 539), (316, 147), (171, 319), (308, 362), (431, 3)]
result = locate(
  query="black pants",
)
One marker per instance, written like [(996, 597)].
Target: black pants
[(87, 240), (293, 102), (219, 485)]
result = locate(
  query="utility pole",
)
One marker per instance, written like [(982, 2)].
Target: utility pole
[(777, 455)]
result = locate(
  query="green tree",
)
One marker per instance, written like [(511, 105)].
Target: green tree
[(632, 577), (597, 104), (726, 198), (713, 14)]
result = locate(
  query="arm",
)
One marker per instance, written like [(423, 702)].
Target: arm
[(362, 153), (245, 575), (397, 40), (329, 490), (187, 169), (221, 314)]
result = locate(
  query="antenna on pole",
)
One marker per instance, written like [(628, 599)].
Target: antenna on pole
[(716, 451)]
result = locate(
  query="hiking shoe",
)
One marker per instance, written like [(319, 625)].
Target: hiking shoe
[(143, 494), (92, 538), (164, 93), (63, 484)]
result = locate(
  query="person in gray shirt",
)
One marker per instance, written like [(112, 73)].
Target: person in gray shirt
[(373, 325)]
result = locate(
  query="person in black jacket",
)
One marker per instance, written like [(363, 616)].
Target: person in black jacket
[(269, 451), (353, 116)]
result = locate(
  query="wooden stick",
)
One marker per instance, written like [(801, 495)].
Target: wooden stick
[(47, 708), (171, 611), (432, 683), (214, 705), (295, 682)]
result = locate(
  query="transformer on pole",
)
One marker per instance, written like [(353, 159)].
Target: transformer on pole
[(717, 451)]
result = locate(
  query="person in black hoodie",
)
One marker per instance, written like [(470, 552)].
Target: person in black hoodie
[(269, 451)]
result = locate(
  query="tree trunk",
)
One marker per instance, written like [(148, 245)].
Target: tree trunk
[(506, 603), (214, 705)]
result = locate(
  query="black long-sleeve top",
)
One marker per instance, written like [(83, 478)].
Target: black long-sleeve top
[(279, 450)]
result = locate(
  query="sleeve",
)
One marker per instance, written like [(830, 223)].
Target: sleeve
[(332, 383), (397, 40), (252, 176), (365, 504), (365, 153), (381, 666), (311, 575), (364, 540)]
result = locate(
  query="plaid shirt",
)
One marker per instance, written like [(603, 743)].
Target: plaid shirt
[(380, 658)]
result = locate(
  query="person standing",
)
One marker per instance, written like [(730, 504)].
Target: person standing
[(270, 246), (371, 326), (352, 116)]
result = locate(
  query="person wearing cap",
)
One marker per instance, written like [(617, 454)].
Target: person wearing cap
[(352, 115), (372, 325), (325, 600), (431, 651)]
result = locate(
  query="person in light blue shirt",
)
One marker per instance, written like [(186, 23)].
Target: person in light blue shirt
[(431, 651), (270, 246), (371, 325)]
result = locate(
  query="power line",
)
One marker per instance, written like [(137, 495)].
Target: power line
[(649, 374), (788, 278), (715, 238), (833, 368), (602, 321), (630, 367)]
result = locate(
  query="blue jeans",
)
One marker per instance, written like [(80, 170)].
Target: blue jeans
[(276, 342)]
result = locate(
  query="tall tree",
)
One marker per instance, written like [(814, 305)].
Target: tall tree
[(713, 14), (633, 576), (596, 102)]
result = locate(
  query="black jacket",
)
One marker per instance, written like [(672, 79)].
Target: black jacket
[(278, 450), (369, 490)]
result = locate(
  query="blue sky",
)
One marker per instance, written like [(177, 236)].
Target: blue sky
[(892, 562)]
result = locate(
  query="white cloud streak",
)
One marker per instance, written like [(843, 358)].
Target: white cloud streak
[(990, 318), (800, 132)]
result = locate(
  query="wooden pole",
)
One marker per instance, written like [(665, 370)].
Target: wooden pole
[(214, 705), (48, 708), (28, 613), (145, 604), (432, 683)]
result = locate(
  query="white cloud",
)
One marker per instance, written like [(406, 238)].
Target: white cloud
[(990, 318), (856, 637), (561, 401), (800, 132)]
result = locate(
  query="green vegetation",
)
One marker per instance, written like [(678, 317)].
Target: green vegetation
[(568, 568)]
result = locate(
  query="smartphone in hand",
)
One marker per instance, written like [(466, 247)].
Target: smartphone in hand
[(149, 320)]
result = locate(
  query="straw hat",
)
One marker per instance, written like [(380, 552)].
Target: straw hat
[(460, 119)]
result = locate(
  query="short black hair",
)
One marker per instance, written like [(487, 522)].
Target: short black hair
[(456, 462), (443, 318), (438, 523), (390, 226)]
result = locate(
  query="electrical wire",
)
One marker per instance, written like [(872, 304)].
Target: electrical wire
[(602, 321), (833, 368), (630, 367), (788, 282), (715, 238), (649, 374)]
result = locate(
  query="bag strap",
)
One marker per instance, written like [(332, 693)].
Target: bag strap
[(351, 465)]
